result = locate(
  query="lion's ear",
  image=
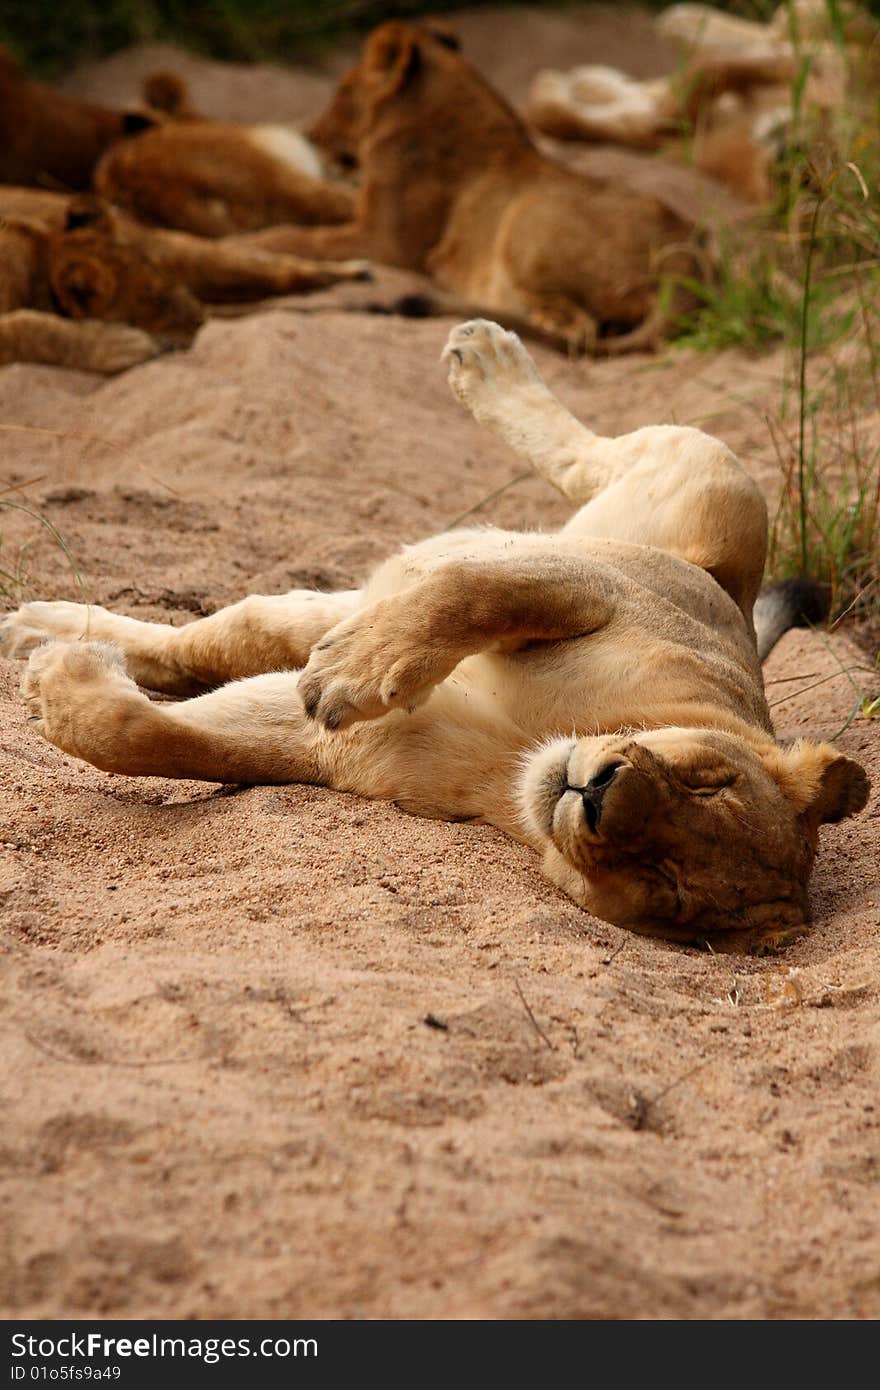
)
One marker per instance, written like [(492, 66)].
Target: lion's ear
[(84, 288), (823, 784), (80, 296), (393, 57), (165, 91), (843, 790)]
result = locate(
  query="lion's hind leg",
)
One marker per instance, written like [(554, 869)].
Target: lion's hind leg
[(493, 375), (255, 635), (667, 486)]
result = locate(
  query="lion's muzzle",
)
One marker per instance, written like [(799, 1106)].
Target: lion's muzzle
[(593, 793)]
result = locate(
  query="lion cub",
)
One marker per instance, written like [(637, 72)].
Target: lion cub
[(452, 185), (83, 285)]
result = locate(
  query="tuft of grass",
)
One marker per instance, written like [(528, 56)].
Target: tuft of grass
[(828, 521), (47, 38), (827, 525), (826, 426), (13, 574), (754, 301), (811, 282)]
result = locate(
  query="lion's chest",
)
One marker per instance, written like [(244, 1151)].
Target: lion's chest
[(621, 677)]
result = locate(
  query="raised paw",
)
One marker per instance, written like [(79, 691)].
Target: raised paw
[(487, 365), (365, 667), (32, 624)]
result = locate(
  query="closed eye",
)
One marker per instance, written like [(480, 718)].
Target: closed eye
[(707, 788)]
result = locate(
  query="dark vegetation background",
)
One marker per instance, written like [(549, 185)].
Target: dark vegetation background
[(49, 35)]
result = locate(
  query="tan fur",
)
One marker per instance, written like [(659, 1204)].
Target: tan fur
[(602, 104), (47, 138), (730, 97), (451, 184), (213, 178), (107, 268), (596, 693)]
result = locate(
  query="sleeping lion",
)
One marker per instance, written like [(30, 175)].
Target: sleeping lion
[(595, 693), (84, 285)]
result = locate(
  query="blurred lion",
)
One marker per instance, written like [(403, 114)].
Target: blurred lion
[(452, 184), (52, 140), (74, 271)]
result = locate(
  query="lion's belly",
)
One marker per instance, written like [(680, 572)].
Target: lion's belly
[(625, 676), (592, 685)]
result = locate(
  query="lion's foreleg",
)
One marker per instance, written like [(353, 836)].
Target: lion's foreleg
[(27, 335), (230, 269), (454, 759), (335, 243), (393, 652)]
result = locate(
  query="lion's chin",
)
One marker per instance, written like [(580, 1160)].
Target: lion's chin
[(541, 784)]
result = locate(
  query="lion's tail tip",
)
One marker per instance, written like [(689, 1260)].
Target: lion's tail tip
[(787, 603)]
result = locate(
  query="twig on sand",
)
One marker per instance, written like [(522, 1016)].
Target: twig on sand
[(432, 1021), (833, 675), (490, 497), (19, 487), (615, 953), (71, 1060), (534, 1022), (641, 1105)]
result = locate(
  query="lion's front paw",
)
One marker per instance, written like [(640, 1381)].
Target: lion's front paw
[(363, 669), (353, 270), (486, 365), (63, 685), (112, 347), (33, 623)]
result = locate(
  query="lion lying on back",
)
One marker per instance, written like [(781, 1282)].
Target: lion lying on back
[(452, 184), (82, 285), (596, 693)]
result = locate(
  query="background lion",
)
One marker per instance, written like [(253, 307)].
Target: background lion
[(73, 271), (452, 184), (215, 178), (47, 137)]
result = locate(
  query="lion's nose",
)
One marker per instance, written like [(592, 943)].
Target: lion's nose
[(593, 794)]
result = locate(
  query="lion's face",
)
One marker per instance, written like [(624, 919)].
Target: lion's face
[(394, 55), (687, 832), (96, 273), (338, 130)]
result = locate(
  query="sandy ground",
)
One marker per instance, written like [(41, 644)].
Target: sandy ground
[(220, 1094)]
